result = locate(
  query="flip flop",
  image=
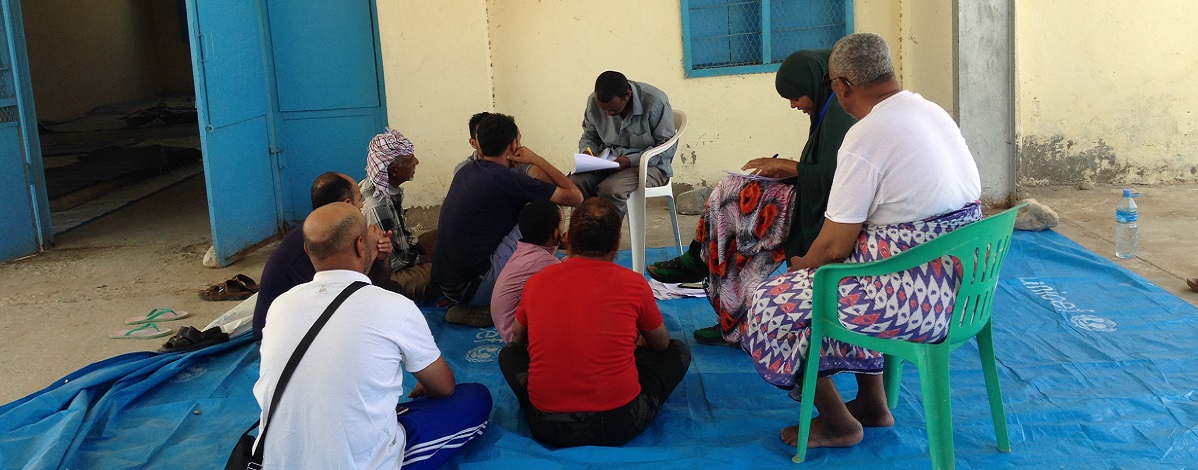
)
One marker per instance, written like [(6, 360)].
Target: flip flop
[(1193, 283), (157, 315), (146, 331)]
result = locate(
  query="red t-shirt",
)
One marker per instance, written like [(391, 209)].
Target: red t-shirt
[(583, 317)]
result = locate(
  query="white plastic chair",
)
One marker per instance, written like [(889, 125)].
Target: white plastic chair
[(636, 201)]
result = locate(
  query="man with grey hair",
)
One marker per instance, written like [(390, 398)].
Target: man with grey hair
[(904, 175)]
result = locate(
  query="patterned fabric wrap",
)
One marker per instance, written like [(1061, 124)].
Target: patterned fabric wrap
[(742, 230), (912, 305), (384, 149)]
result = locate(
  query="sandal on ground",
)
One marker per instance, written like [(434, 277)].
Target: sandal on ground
[(247, 283), (191, 339), (477, 316), (1193, 283), (146, 331), (157, 315), (228, 290), (712, 336), (676, 271)]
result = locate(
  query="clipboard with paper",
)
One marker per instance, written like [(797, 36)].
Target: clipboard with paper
[(585, 162)]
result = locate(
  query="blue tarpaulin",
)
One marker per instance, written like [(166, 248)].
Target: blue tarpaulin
[(1097, 367)]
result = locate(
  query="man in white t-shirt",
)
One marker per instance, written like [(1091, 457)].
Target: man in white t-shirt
[(904, 160), (340, 408)]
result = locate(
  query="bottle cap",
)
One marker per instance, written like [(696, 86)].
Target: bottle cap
[(1127, 193)]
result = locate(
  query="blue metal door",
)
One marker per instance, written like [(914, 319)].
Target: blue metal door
[(328, 78), (232, 98), (24, 210)]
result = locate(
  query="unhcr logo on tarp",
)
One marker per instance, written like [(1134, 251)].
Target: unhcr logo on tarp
[(1079, 318)]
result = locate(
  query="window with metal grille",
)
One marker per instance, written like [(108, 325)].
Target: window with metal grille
[(724, 37)]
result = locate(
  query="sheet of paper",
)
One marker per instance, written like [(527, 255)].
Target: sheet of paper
[(662, 291), (584, 162), (753, 177)]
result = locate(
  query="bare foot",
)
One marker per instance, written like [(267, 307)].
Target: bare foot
[(823, 435), (870, 416)]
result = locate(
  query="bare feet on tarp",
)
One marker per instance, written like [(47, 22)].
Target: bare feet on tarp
[(826, 434), (870, 416)]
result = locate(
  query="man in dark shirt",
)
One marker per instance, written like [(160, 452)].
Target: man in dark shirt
[(477, 232), (289, 266)]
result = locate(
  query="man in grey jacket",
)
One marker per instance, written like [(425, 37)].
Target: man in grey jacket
[(628, 118)]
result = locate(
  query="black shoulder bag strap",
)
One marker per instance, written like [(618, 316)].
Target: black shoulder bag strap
[(299, 354)]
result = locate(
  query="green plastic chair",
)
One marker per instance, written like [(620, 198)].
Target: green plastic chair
[(980, 248)]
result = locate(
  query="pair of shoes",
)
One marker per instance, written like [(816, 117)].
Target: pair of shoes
[(239, 287), (711, 336), (191, 339), (677, 271), (477, 316), (1193, 283), (149, 324)]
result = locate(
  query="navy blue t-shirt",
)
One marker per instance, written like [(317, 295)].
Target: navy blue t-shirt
[(482, 206), (287, 267)]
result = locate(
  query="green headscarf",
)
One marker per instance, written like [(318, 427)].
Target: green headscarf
[(802, 74)]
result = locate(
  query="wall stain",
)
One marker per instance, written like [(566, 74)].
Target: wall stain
[(1057, 160), (1054, 160)]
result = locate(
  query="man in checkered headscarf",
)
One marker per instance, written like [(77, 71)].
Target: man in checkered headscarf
[(391, 161)]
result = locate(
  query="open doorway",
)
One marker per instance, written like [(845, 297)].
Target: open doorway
[(115, 100)]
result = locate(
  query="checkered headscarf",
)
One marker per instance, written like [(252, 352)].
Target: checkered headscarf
[(384, 149)]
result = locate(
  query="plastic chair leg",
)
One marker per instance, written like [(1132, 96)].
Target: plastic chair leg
[(636, 229), (892, 379), (810, 374), (674, 218), (937, 408), (990, 371)]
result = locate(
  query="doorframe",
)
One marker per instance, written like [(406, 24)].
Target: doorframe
[(35, 173)]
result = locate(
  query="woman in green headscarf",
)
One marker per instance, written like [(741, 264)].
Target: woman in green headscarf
[(750, 225)]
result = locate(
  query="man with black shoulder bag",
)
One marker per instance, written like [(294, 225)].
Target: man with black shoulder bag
[(337, 347)]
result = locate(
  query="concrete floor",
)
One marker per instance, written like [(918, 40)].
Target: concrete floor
[(60, 306)]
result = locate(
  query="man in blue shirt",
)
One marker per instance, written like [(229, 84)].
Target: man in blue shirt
[(476, 231), (628, 118)]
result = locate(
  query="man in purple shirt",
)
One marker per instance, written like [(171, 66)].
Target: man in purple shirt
[(540, 227)]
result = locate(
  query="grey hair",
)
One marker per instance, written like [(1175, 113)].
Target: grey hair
[(861, 58)]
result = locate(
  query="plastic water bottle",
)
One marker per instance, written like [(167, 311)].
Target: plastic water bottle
[(1125, 225)]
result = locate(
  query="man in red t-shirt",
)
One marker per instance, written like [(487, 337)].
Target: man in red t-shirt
[(575, 362)]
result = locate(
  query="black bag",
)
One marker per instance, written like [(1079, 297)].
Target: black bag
[(244, 457)]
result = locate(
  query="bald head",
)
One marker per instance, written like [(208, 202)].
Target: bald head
[(332, 234)]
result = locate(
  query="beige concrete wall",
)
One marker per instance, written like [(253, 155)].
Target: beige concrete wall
[(926, 50), (1103, 91), (83, 54), (437, 67)]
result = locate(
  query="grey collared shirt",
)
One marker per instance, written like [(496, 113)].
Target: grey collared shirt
[(650, 123)]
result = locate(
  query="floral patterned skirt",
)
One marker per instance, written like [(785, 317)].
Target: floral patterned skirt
[(913, 305), (742, 231)]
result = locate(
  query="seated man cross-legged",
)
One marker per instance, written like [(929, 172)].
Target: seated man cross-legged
[(576, 363), (339, 409)]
